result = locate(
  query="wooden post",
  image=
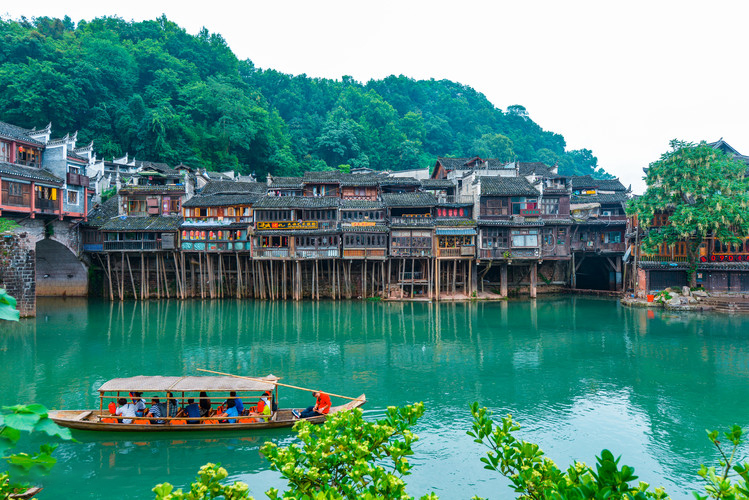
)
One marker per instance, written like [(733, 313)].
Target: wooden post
[(413, 270), (109, 277), (455, 274), (503, 279), (573, 279), (163, 270), (122, 275), (534, 278), (132, 280)]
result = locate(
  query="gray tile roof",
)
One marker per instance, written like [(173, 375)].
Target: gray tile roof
[(437, 184), (586, 181), (156, 223), (454, 222), (536, 167), (619, 197), (399, 181), (155, 189), (506, 186), (409, 199), (9, 131), (377, 228), (297, 202), (29, 173), (286, 182), (361, 204), (221, 200), (102, 212), (231, 187), (467, 163), (510, 223)]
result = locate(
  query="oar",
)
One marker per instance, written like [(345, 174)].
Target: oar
[(277, 383)]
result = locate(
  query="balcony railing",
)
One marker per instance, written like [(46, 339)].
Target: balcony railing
[(412, 221), (410, 252), (455, 198), (508, 253), (45, 205), (462, 251), (595, 246), (215, 246), (364, 253), (317, 253), (132, 245), (271, 253), (662, 258)]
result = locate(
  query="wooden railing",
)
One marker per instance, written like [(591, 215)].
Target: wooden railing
[(508, 253), (132, 245), (410, 252), (462, 251), (271, 253), (412, 221), (362, 253), (317, 253)]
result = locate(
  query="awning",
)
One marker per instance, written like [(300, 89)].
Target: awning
[(188, 384), (456, 232)]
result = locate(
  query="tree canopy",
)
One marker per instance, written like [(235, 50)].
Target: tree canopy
[(703, 191), (154, 91)]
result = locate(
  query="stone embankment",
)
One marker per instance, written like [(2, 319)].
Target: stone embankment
[(684, 299)]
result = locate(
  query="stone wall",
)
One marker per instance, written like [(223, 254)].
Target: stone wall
[(17, 271)]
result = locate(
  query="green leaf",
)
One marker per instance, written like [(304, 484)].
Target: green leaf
[(22, 421), (51, 428)]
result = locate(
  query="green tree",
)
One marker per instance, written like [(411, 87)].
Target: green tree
[(705, 194), (348, 457), (494, 146), (206, 486)]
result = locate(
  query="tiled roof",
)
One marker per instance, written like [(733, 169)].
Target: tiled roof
[(511, 223), (213, 225), (586, 181), (362, 179), (165, 187), (157, 223), (454, 222), (557, 222), (220, 200), (437, 184), (285, 183), (102, 212), (377, 228), (31, 173), (299, 232), (75, 156), (361, 204), (9, 131), (463, 163), (399, 181), (409, 199), (619, 197), (506, 186), (297, 202), (536, 167), (231, 187)]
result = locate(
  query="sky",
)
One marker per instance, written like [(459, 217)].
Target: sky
[(621, 79)]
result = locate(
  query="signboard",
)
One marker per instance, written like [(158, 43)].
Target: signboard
[(264, 226), (530, 212), (167, 241), (363, 224)]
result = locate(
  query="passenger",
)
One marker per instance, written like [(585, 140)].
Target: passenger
[(263, 408), (322, 407), (126, 410), (237, 402), (205, 405), (231, 411), (191, 410), (140, 403), (173, 406), (155, 412)]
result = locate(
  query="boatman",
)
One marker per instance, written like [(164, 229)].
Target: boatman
[(322, 406)]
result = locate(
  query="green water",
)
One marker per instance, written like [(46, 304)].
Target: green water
[(579, 374)]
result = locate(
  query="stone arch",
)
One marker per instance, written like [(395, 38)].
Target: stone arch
[(59, 273)]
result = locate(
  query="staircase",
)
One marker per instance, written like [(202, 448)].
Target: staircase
[(737, 304)]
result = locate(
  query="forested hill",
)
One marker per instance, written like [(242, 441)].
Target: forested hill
[(154, 91)]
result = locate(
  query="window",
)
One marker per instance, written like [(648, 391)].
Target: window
[(4, 151), (613, 237), (72, 197), (494, 238), (523, 203), (550, 206), (136, 206), (524, 237), (549, 236)]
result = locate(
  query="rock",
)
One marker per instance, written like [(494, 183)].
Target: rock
[(692, 300), (676, 301), (699, 293), (685, 291)]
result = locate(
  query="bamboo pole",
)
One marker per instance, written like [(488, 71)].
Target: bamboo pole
[(278, 384)]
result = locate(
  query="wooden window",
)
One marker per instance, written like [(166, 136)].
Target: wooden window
[(524, 237)]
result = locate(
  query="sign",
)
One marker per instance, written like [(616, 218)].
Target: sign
[(265, 226), (530, 212), (363, 224), (725, 258)]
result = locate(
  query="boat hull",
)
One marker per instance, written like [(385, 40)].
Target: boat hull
[(90, 420)]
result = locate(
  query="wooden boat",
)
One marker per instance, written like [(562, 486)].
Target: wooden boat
[(182, 388)]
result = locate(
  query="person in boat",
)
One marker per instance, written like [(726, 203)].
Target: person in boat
[(262, 411), (322, 407), (155, 412), (237, 402), (125, 410), (191, 410), (139, 402), (205, 405), (231, 411), (173, 406)]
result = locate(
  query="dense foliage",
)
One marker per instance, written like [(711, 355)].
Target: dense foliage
[(154, 91), (15, 420), (705, 193)]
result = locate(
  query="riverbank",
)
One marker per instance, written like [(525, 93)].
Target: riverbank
[(684, 299)]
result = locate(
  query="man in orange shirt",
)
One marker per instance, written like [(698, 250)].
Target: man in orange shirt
[(322, 407)]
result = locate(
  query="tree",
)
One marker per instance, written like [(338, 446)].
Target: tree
[(703, 191), (494, 146), (348, 457)]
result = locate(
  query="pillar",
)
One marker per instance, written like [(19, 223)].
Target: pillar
[(534, 279), (503, 279)]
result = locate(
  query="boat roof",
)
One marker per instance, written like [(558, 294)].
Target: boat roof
[(143, 383)]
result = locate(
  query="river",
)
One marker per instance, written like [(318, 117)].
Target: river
[(579, 374)]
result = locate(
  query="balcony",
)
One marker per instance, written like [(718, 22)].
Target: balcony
[(462, 199), (46, 206), (364, 253), (271, 253), (595, 246), (77, 180), (412, 221), (455, 252), (410, 252), (132, 246), (317, 253), (508, 253), (215, 246)]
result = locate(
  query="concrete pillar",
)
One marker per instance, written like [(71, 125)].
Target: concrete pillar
[(534, 279), (503, 279)]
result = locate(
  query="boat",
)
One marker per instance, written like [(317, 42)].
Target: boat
[(181, 388)]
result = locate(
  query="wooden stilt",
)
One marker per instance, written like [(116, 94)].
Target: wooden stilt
[(122, 276), (109, 278), (455, 274), (132, 280)]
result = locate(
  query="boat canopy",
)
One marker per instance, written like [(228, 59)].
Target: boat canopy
[(188, 384)]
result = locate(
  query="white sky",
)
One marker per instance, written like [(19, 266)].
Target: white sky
[(621, 79)]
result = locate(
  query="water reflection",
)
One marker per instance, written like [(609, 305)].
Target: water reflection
[(580, 374)]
